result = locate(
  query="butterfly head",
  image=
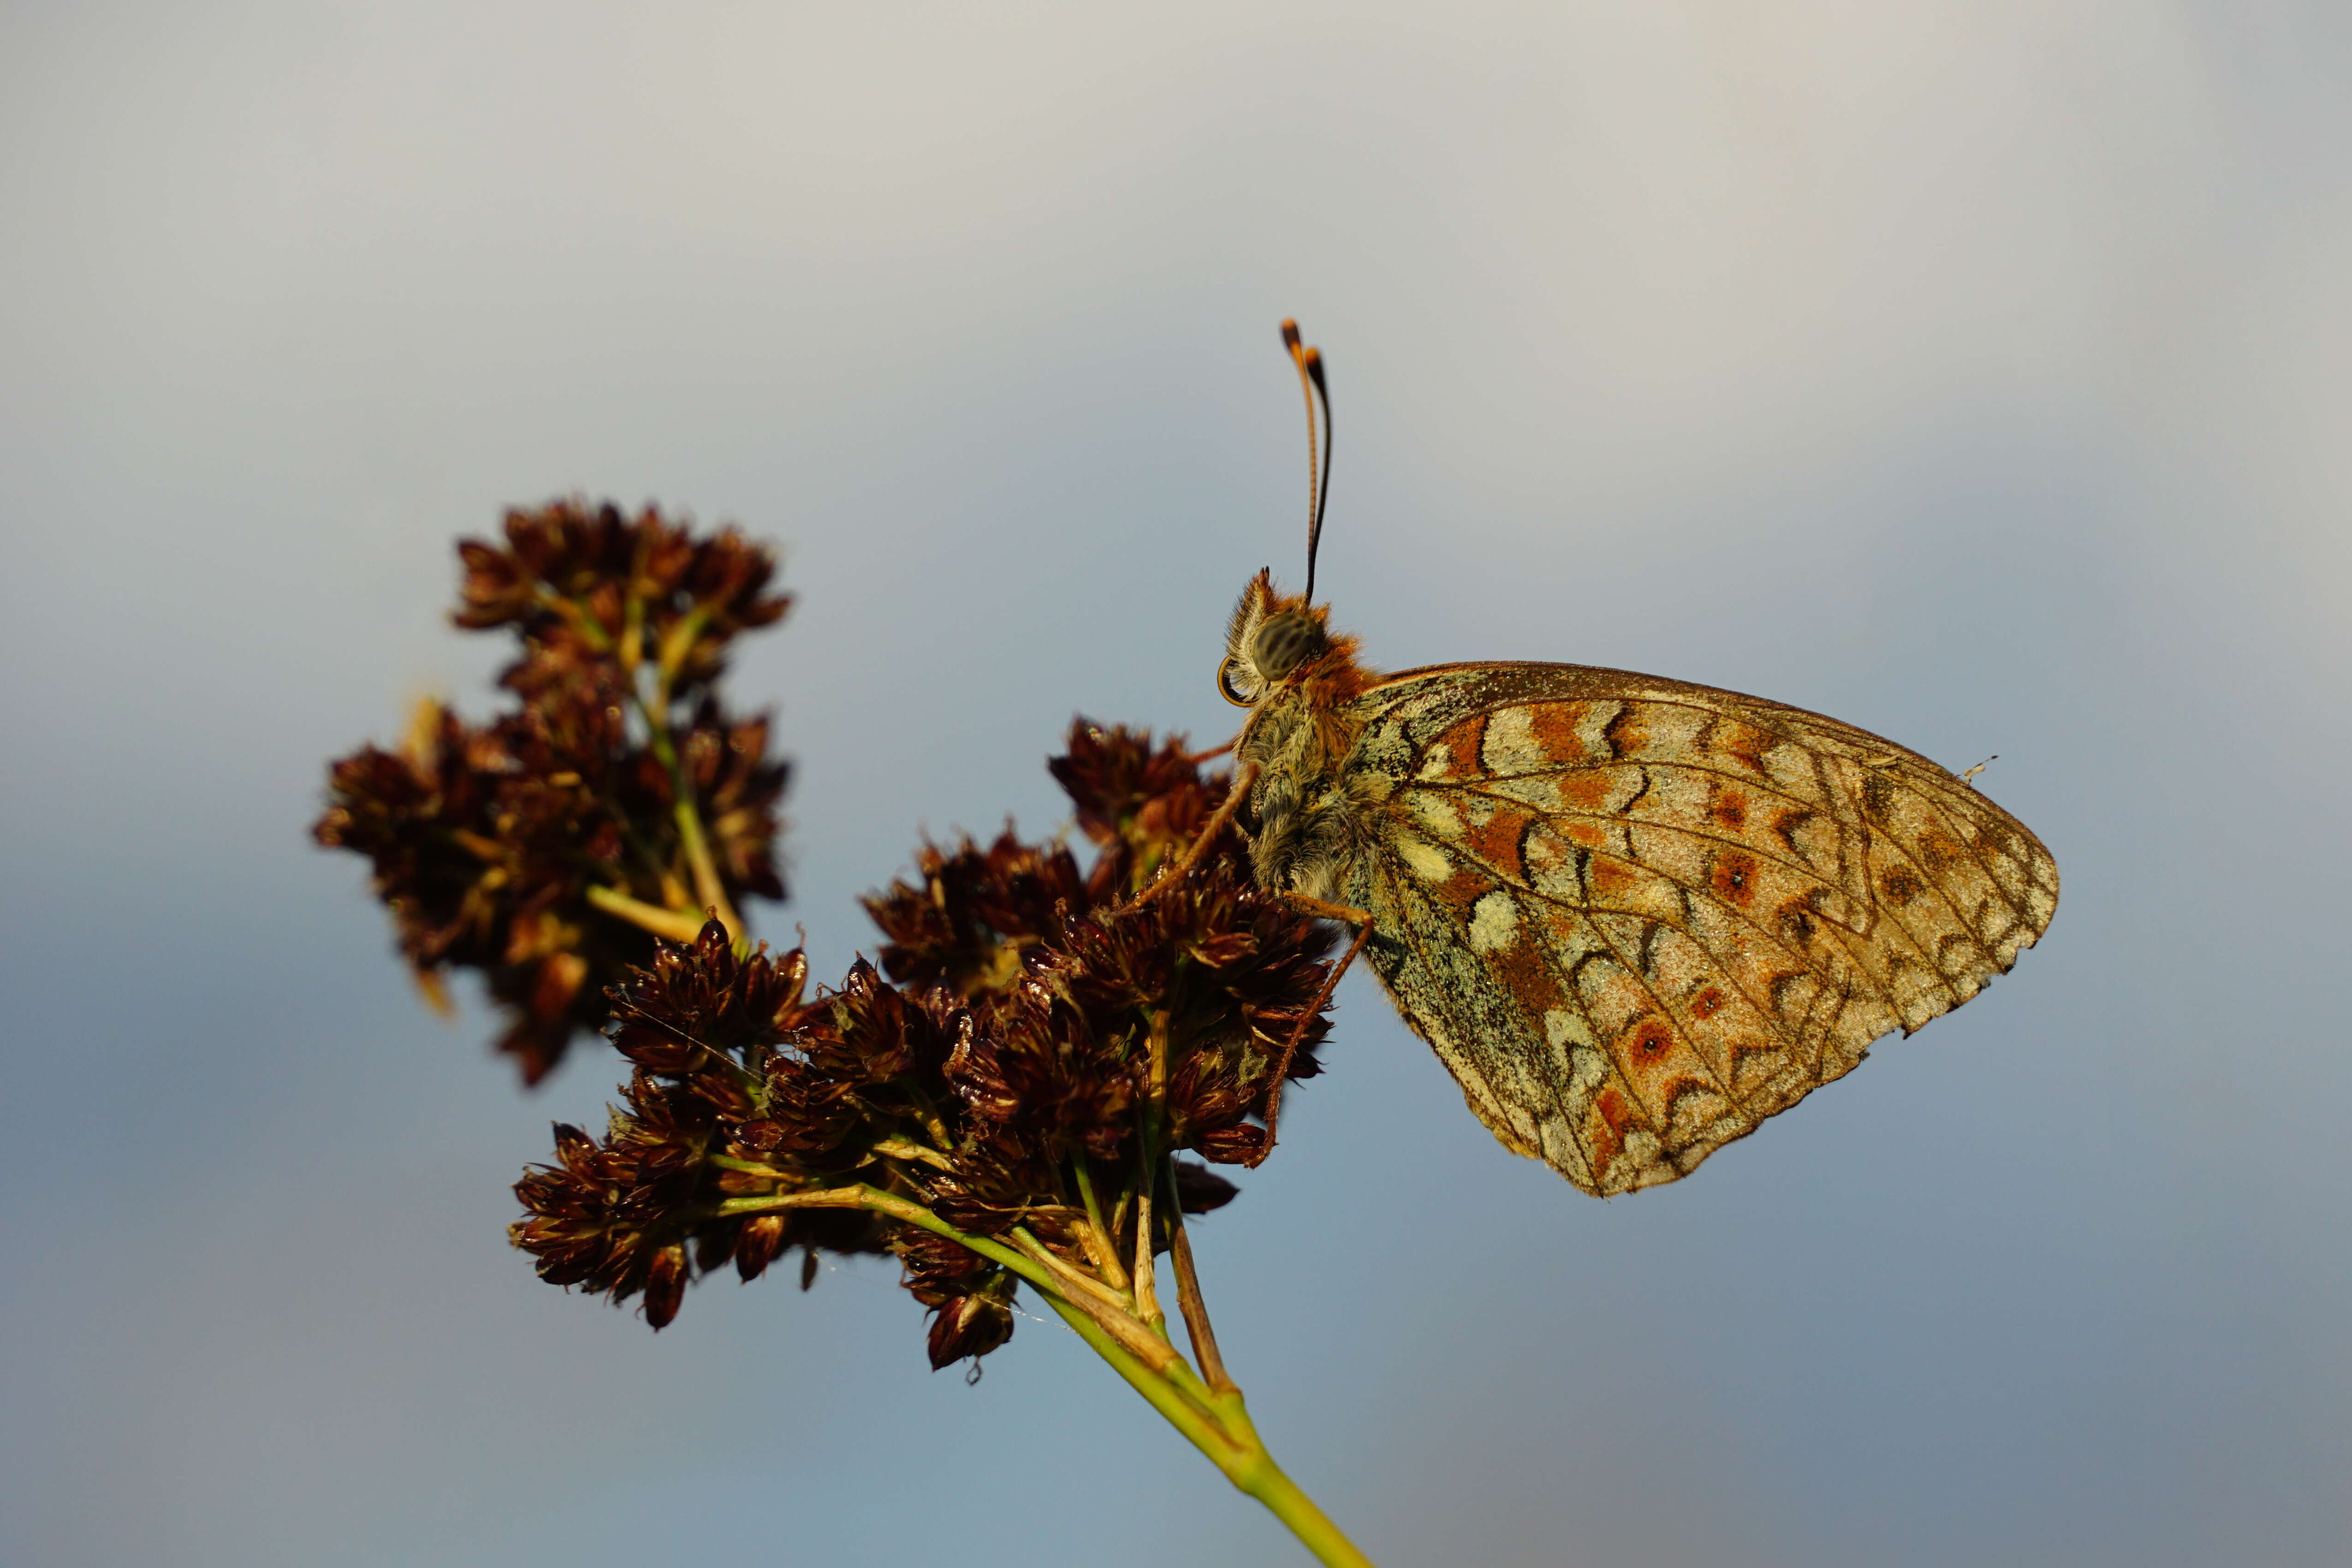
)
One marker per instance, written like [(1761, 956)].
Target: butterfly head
[(1276, 641)]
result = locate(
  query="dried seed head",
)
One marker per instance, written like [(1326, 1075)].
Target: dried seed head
[(1037, 1015), (492, 846)]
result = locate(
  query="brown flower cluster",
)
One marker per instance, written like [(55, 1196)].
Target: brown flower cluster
[(616, 801), (1014, 1093)]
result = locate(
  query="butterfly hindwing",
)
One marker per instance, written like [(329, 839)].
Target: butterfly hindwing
[(1636, 917)]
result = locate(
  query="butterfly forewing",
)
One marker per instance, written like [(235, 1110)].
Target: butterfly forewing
[(1636, 917)]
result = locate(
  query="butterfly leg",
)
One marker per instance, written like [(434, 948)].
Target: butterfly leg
[(1197, 758), (1235, 793), (1321, 908)]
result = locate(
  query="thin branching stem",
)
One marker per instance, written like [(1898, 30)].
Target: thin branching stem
[(1097, 1234), (707, 885), (670, 925), (1073, 1277), (1194, 1306), (908, 1149), (654, 712), (1156, 1351), (1147, 1178)]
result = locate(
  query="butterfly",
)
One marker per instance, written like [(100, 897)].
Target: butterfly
[(1634, 917)]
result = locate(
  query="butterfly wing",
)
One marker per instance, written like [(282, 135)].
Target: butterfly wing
[(1636, 917)]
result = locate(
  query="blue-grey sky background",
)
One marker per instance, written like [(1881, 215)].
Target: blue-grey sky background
[(1978, 373)]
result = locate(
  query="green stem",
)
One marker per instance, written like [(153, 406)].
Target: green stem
[(707, 885), (749, 1167), (1282, 1498), (675, 643), (1099, 1240), (1075, 1283), (1216, 1422), (671, 925), (1113, 1314), (708, 888), (1201, 1428), (1231, 1443), (1160, 1355), (908, 1149)]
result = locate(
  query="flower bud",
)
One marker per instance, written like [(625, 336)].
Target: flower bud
[(972, 1325), (664, 1285), (757, 1245)]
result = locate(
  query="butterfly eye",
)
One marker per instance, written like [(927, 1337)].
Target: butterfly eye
[(1226, 688), (1284, 642)]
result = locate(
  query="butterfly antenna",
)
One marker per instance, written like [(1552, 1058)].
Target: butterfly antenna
[(1309, 362)]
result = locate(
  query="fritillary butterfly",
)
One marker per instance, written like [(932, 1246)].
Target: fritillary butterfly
[(1634, 917)]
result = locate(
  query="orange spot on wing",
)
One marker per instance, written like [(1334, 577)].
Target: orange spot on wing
[(1554, 726), (1496, 842), (1728, 807), (1610, 876), (1733, 876), (1654, 1059), (1939, 849), (1707, 1003), (1652, 1041), (1608, 1140), (1585, 792), (1465, 746), (1464, 889)]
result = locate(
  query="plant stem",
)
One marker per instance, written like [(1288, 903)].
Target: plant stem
[(908, 1149), (708, 887), (1114, 1322), (1282, 1498), (1213, 1420), (671, 925), (1097, 1235), (654, 712), (1231, 1443), (1147, 1268), (1195, 1307), (1147, 1178), (1075, 1280), (1201, 1428)]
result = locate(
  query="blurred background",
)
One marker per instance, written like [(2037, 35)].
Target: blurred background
[(1977, 374)]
